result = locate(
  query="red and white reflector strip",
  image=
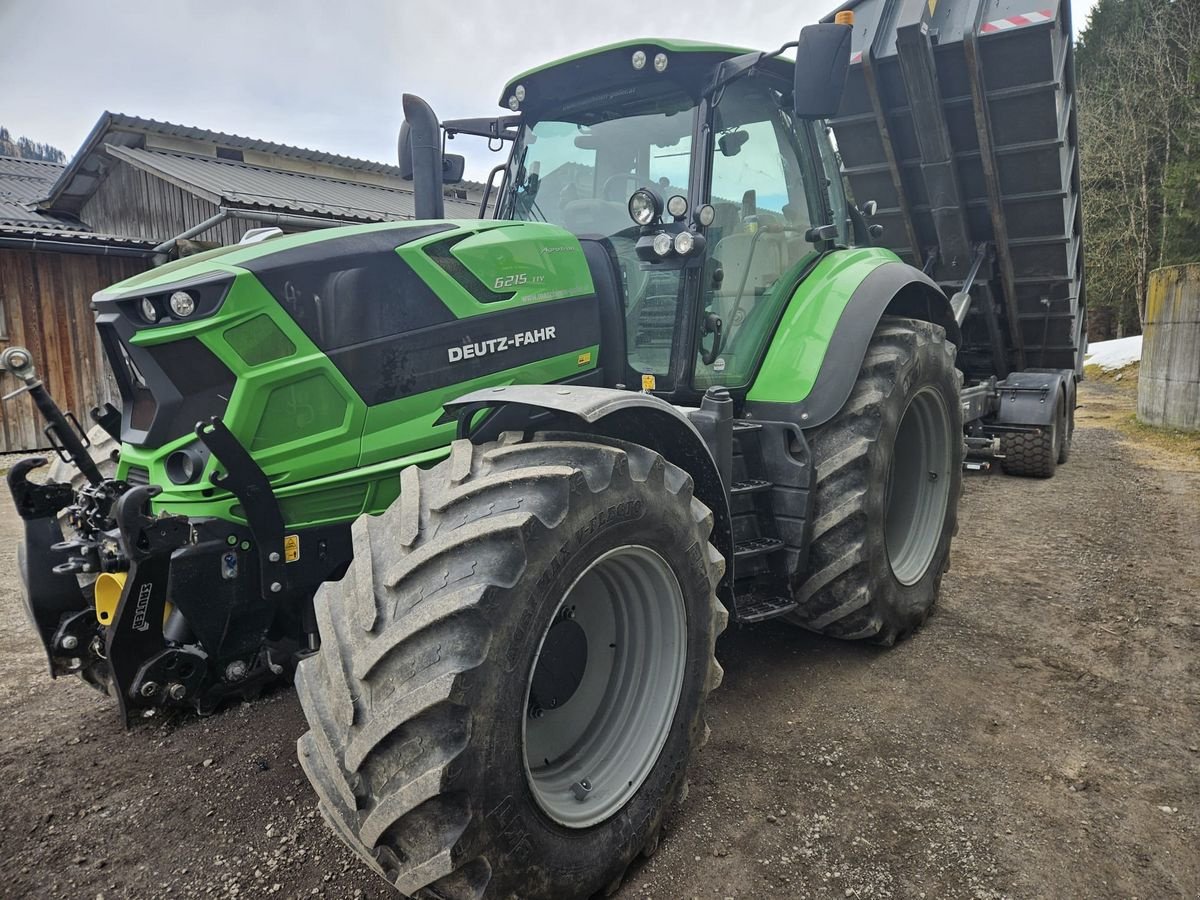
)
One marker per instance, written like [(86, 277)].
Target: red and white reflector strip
[(856, 57), (1011, 22)]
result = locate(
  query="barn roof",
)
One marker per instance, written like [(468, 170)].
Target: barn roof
[(259, 173), (235, 183), (22, 183)]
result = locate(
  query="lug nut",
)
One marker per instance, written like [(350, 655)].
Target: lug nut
[(235, 671), (149, 689), (176, 691), (70, 642)]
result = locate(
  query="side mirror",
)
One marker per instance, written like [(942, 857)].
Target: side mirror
[(453, 167), (731, 144), (822, 61)]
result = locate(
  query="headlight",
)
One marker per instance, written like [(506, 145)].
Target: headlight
[(660, 62), (638, 60), (519, 93), (677, 206), (644, 206), (182, 304), (513, 103), (705, 215), (684, 242), (662, 244), (149, 310)]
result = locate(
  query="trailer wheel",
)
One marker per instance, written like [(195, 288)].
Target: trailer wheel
[(1067, 421), (888, 477), (513, 670), (1036, 453)]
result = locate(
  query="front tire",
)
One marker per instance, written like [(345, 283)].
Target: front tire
[(888, 478), (454, 642)]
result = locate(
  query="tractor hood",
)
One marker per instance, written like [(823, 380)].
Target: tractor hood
[(301, 342)]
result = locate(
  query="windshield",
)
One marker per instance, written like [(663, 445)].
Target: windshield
[(578, 170)]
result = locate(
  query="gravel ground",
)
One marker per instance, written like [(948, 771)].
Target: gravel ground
[(1037, 739)]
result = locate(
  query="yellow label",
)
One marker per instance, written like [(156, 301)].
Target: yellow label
[(932, 6), (291, 547), (648, 382), (584, 358)]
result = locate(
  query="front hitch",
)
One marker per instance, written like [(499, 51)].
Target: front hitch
[(136, 632)]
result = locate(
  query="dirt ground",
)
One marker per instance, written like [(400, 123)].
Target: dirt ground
[(1037, 739)]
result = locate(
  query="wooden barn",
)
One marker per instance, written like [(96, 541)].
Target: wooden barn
[(134, 188)]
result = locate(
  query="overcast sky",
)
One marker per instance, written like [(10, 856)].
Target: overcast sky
[(327, 74)]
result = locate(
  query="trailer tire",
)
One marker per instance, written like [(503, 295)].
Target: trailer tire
[(422, 700), (1068, 434), (871, 576), (1036, 453)]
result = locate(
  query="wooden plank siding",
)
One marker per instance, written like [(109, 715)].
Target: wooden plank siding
[(133, 203), (45, 299)]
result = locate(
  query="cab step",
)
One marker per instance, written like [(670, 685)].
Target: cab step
[(749, 486), (753, 547), (756, 608)]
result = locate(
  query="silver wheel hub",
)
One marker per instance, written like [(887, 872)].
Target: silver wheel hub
[(918, 487), (604, 686)]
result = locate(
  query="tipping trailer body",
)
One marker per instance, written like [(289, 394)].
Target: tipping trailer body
[(959, 121)]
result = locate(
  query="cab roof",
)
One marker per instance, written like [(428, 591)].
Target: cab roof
[(601, 70)]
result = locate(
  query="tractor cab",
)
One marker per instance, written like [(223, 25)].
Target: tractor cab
[(689, 169)]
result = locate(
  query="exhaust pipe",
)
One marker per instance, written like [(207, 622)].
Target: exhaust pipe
[(420, 151)]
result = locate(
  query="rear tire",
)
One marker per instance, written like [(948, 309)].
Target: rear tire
[(888, 478), (421, 697)]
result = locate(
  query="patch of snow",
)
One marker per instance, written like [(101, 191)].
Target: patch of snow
[(1116, 354)]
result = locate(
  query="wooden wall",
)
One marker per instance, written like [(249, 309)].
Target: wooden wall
[(132, 203), (45, 299)]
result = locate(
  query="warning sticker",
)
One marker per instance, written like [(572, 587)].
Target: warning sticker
[(291, 547)]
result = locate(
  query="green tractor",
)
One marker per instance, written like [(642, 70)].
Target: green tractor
[(493, 488)]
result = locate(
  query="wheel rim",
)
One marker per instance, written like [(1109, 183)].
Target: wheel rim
[(918, 486), (594, 727)]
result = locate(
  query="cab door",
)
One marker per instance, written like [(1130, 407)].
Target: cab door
[(767, 189)]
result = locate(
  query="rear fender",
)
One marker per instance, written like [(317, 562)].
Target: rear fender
[(1028, 398), (606, 412), (887, 288)]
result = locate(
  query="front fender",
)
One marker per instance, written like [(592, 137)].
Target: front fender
[(625, 415), (814, 358)]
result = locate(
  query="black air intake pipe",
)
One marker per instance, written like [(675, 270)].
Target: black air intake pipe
[(421, 157)]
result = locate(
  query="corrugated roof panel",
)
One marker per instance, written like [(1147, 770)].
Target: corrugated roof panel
[(21, 182), (243, 184)]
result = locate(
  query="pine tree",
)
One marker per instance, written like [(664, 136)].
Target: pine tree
[(25, 148)]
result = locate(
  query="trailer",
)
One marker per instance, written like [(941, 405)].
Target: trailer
[(958, 129)]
